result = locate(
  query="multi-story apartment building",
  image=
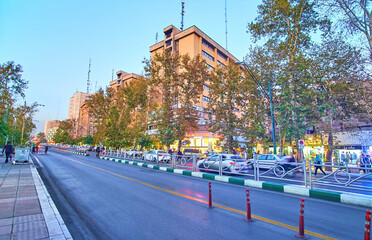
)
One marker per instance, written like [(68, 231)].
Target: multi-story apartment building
[(193, 42), (85, 122), (76, 101), (50, 128), (123, 79)]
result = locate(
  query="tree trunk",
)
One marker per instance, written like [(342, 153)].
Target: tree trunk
[(179, 144), (329, 151)]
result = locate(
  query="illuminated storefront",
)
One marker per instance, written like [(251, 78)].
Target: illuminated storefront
[(202, 141)]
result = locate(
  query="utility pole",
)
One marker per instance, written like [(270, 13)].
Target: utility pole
[(267, 96), (23, 122), (5, 119), (226, 22)]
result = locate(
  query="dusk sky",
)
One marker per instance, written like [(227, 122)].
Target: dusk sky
[(54, 40)]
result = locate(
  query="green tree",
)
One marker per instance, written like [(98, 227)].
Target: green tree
[(64, 132), (286, 25), (193, 74), (341, 93), (179, 80), (226, 93), (41, 137), (163, 72), (88, 139), (99, 106), (351, 17)]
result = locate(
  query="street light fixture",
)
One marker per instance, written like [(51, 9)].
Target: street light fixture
[(268, 96)]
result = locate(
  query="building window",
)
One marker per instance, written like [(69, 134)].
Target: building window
[(221, 54), (207, 99), (205, 87), (208, 56), (221, 64), (207, 44), (209, 66)]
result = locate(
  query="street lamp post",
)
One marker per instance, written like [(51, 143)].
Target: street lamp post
[(268, 97)]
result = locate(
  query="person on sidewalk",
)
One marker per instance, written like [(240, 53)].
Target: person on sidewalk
[(46, 149), (318, 165), (98, 149), (8, 150)]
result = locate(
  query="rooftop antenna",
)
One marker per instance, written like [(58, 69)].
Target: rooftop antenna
[(182, 13), (88, 81), (226, 22)]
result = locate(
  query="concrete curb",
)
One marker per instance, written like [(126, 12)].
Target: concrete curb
[(346, 198), (55, 224)]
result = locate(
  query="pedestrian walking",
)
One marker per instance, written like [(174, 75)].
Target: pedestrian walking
[(363, 163), (368, 163), (318, 165), (8, 151), (97, 151), (46, 149)]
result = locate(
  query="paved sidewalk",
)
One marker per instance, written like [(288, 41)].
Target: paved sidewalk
[(26, 208)]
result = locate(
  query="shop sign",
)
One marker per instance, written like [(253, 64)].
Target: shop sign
[(202, 134), (349, 147)]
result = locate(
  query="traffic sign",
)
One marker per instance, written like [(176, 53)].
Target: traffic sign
[(301, 144)]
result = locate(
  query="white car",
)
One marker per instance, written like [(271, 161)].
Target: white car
[(267, 161), (157, 155), (231, 163)]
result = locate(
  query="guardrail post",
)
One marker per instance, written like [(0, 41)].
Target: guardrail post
[(304, 171), (173, 158), (310, 177), (210, 195), (256, 168), (249, 214), (220, 165), (194, 162), (301, 229), (367, 228)]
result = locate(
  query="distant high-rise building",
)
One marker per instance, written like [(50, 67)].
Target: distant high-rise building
[(50, 129), (76, 101)]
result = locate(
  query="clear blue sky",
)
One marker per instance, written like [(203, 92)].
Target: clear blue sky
[(54, 40)]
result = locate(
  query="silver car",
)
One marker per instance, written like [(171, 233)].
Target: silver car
[(230, 163), (267, 161), (157, 155)]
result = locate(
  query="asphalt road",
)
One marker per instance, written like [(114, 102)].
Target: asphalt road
[(106, 200)]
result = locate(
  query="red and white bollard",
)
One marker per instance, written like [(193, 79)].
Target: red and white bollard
[(249, 215), (367, 230), (210, 195), (301, 228)]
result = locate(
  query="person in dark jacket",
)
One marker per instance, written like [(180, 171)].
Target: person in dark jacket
[(8, 150), (98, 149), (46, 149)]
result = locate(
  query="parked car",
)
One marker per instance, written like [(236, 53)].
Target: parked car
[(154, 154), (231, 163), (267, 161)]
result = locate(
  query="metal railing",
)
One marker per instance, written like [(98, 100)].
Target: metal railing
[(338, 177)]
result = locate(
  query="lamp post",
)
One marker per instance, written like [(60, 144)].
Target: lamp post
[(267, 96)]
